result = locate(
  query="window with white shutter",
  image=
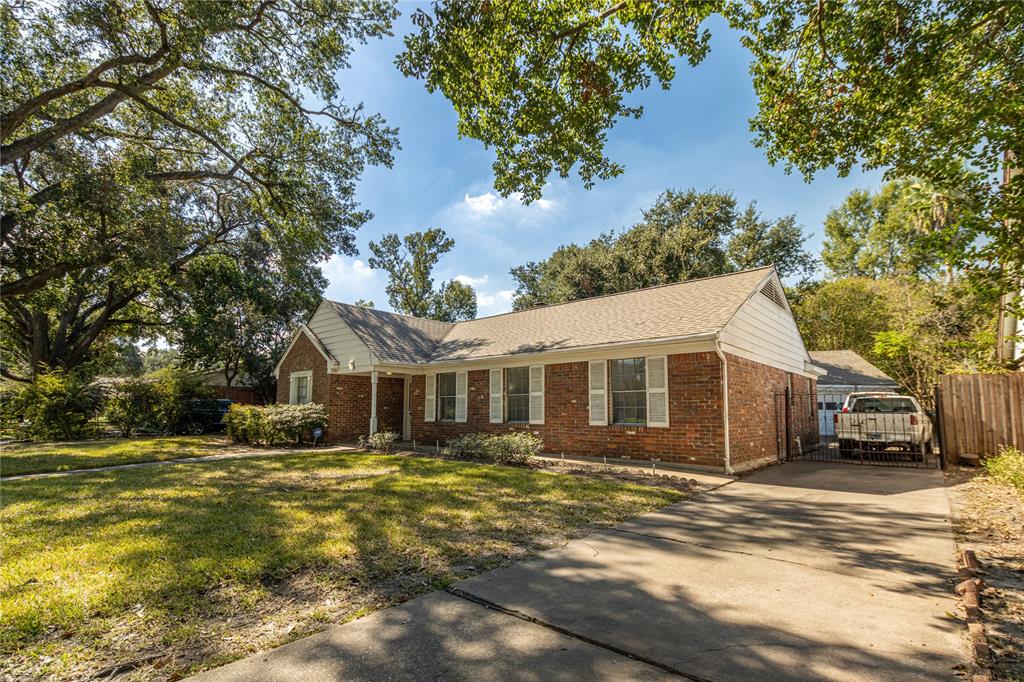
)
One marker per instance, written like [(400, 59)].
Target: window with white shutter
[(536, 394), (496, 406), (429, 398), (598, 393), (461, 387), (657, 390)]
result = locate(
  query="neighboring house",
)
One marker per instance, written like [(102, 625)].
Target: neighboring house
[(847, 372), (691, 373), (240, 390)]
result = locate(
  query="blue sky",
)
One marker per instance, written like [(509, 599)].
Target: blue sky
[(694, 135)]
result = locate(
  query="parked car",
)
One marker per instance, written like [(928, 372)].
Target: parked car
[(206, 416), (880, 421)]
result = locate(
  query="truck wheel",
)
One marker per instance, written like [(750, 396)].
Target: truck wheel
[(845, 448)]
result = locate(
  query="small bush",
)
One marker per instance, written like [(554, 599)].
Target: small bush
[(1008, 467), (174, 390), (57, 405), (382, 440), (274, 424), (130, 405), (506, 448)]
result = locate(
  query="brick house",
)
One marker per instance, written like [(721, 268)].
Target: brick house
[(693, 373)]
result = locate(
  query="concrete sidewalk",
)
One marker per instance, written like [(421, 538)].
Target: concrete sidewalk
[(803, 571)]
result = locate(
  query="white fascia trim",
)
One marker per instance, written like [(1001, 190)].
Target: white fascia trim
[(814, 370), (304, 329), (550, 356)]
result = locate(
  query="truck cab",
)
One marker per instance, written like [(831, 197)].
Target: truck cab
[(882, 421)]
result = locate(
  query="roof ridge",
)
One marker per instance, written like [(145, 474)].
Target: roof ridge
[(621, 293), (386, 312)]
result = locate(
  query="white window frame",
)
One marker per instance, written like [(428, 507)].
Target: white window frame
[(455, 396), (507, 396), (293, 383)]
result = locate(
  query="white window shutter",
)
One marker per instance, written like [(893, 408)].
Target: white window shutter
[(657, 390), (496, 397), (536, 394), (461, 387), (598, 393), (430, 398)]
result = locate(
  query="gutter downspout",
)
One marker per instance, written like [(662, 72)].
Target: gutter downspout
[(725, 403)]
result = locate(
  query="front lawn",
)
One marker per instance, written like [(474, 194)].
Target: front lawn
[(34, 458), (176, 568)]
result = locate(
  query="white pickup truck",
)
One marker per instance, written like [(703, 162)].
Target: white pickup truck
[(880, 421)]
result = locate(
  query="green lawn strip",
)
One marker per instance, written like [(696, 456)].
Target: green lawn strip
[(215, 561), (36, 458)]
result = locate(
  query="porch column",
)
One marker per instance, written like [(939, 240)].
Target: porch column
[(373, 402)]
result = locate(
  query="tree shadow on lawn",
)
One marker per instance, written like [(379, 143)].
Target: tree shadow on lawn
[(646, 604), (29, 458), (195, 544)]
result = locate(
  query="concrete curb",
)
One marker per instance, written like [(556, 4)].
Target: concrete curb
[(969, 587)]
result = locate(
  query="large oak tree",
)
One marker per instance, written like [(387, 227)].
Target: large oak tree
[(140, 136)]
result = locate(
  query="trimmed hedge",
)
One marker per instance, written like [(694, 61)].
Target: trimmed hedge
[(274, 424), (506, 448)]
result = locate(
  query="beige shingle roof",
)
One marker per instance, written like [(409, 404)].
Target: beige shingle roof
[(671, 311), (392, 337), (847, 368)]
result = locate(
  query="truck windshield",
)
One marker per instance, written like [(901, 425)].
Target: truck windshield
[(887, 405)]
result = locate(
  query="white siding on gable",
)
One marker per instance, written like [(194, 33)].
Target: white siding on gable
[(340, 341), (765, 332)]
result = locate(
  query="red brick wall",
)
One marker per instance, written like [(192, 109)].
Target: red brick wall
[(347, 397), (303, 356), (757, 415), (244, 395), (693, 437)]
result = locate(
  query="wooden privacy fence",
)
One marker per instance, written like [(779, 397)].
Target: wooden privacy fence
[(979, 412)]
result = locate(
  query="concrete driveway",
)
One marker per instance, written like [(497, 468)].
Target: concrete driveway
[(802, 571)]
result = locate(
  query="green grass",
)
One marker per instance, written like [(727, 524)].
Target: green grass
[(1008, 467), (212, 561), (34, 458)]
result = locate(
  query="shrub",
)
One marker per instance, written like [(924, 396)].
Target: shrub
[(274, 424), (173, 391), (55, 406), (130, 404), (1008, 467), (506, 448), (382, 440)]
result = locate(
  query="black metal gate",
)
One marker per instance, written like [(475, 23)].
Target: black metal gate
[(809, 426)]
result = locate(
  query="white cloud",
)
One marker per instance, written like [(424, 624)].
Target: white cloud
[(471, 281), (493, 303), (489, 203), (350, 279)]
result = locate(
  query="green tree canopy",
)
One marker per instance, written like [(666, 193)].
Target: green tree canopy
[(929, 90), (409, 262), (685, 234), (912, 330), (139, 136)]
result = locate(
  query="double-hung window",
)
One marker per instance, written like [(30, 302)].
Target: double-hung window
[(517, 394), (629, 391), (301, 383), (446, 397)]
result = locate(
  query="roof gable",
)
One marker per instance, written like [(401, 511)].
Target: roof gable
[(391, 337)]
